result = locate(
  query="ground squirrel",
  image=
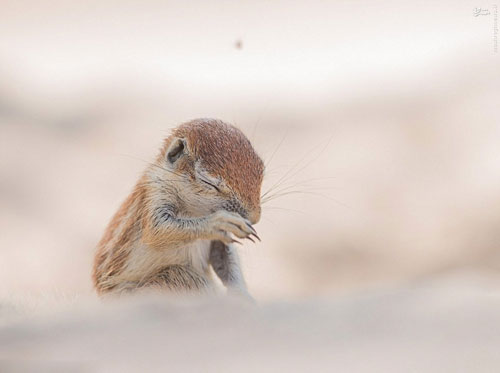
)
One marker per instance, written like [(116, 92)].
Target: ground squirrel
[(203, 188)]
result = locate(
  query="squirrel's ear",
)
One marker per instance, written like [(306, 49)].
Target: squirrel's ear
[(176, 150)]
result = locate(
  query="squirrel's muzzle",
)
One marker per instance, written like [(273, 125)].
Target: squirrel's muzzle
[(254, 215)]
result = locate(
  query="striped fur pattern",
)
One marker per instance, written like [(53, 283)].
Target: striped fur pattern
[(203, 188)]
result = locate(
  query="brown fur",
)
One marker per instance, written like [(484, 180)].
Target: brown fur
[(114, 247), (149, 241)]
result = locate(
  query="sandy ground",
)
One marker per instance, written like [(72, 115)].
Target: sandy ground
[(446, 325), (379, 125)]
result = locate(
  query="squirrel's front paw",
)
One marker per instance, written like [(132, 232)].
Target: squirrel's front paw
[(222, 223)]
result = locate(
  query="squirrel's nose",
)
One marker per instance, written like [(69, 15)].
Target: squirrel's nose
[(254, 215)]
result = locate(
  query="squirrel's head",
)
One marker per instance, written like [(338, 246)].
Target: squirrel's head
[(215, 167)]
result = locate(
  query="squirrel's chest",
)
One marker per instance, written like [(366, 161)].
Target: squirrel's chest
[(145, 259), (197, 254)]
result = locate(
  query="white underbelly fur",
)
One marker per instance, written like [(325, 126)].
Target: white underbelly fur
[(144, 260)]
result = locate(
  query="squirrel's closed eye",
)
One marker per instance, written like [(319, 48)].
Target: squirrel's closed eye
[(212, 185)]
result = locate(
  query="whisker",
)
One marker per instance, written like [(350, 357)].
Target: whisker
[(287, 188), (309, 193), (285, 209), (152, 164), (268, 161), (294, 171), (312, 160)]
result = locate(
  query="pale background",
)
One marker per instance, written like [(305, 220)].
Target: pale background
[(383, 116)]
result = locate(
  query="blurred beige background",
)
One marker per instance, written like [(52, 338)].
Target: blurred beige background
[(381, 117)]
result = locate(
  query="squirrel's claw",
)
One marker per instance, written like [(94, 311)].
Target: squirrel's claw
[(257, 237)]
